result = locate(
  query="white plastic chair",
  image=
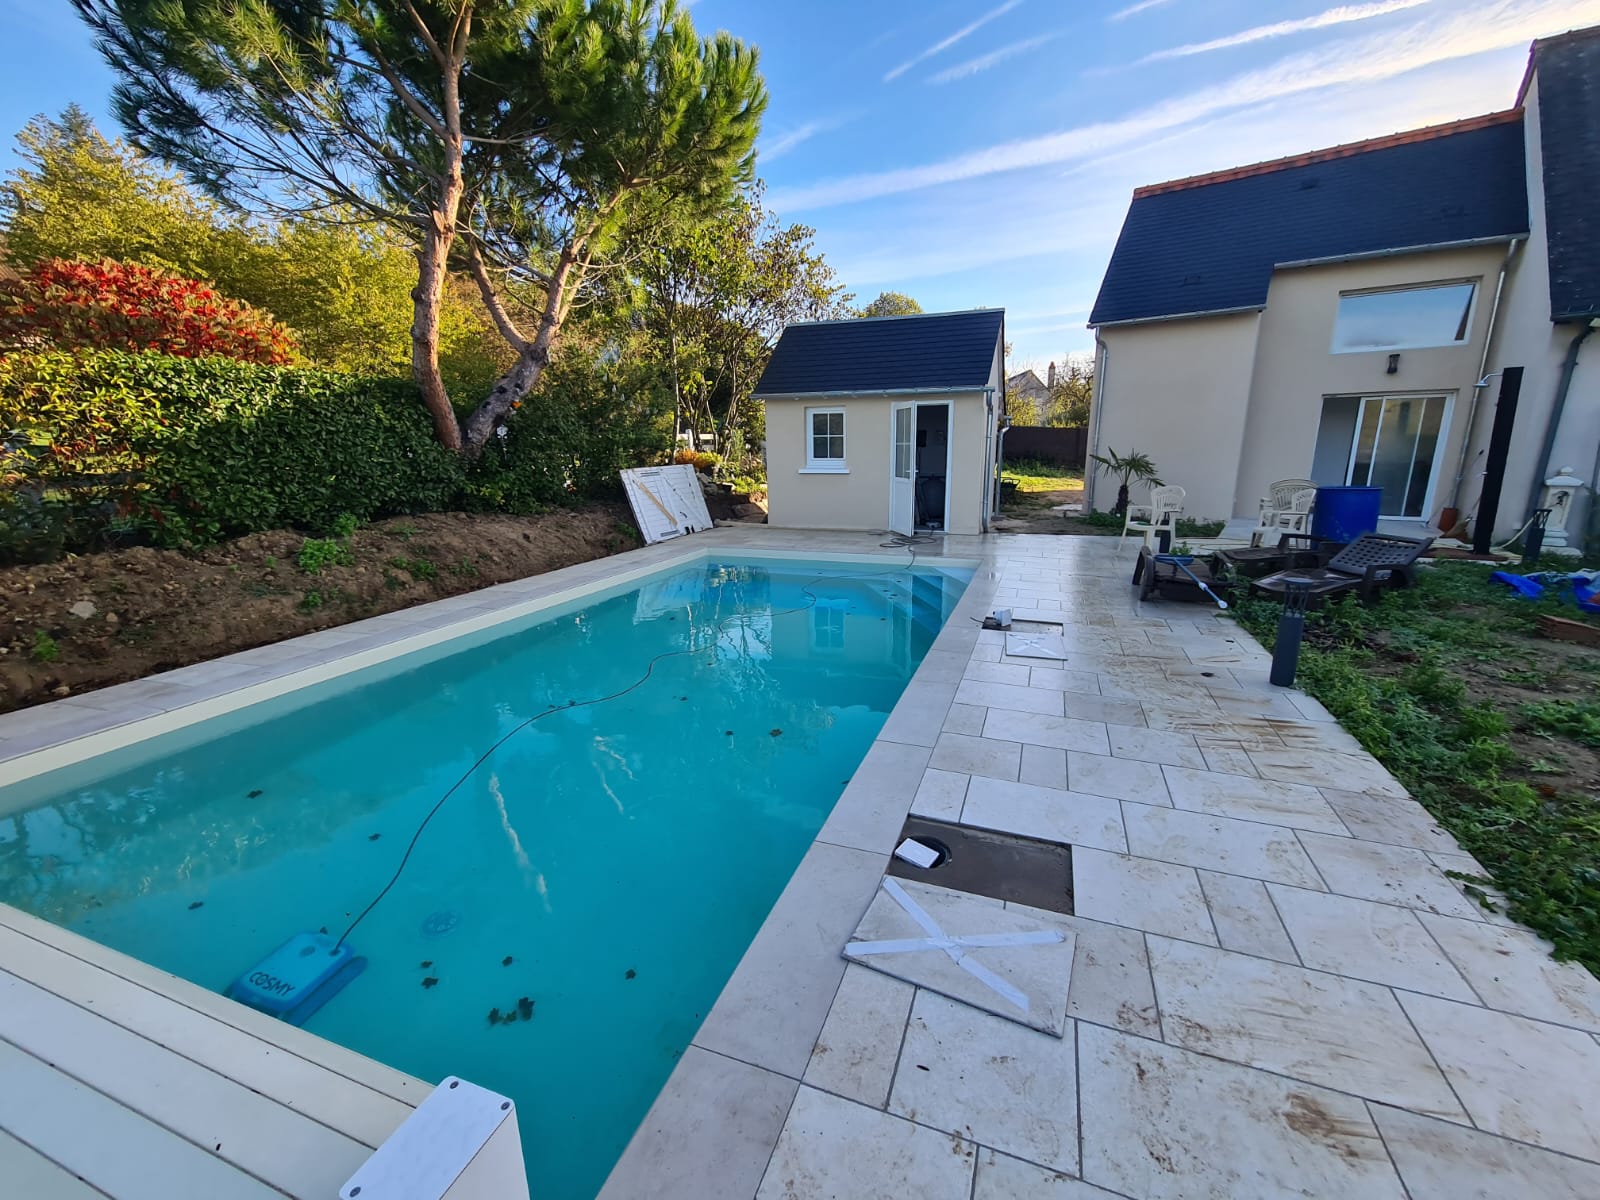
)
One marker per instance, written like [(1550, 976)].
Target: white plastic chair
[(1160, 514), (1285, 509)]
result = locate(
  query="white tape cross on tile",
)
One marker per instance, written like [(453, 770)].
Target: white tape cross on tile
[(1036, 645), (957, 945)]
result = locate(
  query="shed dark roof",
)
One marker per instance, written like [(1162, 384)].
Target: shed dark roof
[(1209, 244), (929, 351), (1569, 139)]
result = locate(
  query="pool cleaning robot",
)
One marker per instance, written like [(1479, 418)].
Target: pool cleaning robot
[(298, 978)]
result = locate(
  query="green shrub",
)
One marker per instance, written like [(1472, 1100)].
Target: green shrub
[(45, 647), (316, 553), (195, 450), (1102, 519), (564, 445), (111, 448), (417, 568)]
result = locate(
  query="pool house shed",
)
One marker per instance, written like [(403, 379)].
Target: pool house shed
[(885, 422)]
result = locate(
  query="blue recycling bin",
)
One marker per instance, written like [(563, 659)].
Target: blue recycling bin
[(1344, 513)]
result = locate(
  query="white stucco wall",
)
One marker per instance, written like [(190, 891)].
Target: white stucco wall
[(860, 499), (1226, 405), (1528, 339), (1178, 391), (1295, 372)]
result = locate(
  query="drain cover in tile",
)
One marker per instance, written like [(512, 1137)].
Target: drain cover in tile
[(1009, 960)]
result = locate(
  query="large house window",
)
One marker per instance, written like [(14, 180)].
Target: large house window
[(1404, 318), (825, 439), (1389, 442)]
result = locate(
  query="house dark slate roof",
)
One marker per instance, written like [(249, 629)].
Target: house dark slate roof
[(931, 351), (1569, 137), (1210, 243)]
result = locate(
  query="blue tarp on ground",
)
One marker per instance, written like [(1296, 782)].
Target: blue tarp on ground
[(1583, 585)]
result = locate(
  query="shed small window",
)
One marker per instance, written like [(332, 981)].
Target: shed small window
[(827, 625), (825, 439), (1404, 318)]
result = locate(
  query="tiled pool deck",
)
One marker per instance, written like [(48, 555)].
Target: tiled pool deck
[(1277, 991)]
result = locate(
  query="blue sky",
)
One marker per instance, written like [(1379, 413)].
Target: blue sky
[(982, 152)]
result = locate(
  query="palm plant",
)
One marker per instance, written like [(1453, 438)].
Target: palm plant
[(1129, 468)]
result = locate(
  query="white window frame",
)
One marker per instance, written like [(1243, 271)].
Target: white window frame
[(826, 466), (1431, 285)]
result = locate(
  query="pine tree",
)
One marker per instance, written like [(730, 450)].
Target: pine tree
[(512, 138)]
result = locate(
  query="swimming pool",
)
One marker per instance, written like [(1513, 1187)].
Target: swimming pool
[(598, 876)]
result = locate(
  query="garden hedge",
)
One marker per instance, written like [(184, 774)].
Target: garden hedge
[(109, 447), (179, 451)]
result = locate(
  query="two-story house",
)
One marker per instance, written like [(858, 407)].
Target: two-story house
[(1351, 315)]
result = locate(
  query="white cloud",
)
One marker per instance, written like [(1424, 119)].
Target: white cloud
[(1045, 258), (782, 143), (958, 35), (1065, 233), (1345, 14), (1123, 14), (1467, 31), (984, 61)]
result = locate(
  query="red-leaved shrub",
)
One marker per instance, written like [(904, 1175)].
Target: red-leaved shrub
[(65, 305)]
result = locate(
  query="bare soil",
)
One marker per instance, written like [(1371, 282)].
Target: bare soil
[(1526, 669), (141, 611), (1539, 668)]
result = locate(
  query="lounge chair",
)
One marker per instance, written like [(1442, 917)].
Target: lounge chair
[(1370, 563)]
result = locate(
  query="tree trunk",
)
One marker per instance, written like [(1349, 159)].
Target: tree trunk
[(677, 396), (526, 372), (1122, 499), (508, 392), (427, 299), (433, 258)]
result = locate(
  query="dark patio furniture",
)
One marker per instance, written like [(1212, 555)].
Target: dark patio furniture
[(1252, 562), (1370, 563), (1163, 580)]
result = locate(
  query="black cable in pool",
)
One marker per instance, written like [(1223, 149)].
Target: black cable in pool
[(907, 544)]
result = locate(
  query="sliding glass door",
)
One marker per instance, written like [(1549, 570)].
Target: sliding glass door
[(1389, 442)]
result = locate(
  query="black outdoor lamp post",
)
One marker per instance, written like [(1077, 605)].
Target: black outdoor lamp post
[(1291, 629)]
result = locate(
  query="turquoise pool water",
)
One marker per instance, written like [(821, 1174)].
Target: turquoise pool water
[(608, 863)]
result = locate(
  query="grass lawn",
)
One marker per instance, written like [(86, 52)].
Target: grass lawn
[(1494, 728), (1033, 477)]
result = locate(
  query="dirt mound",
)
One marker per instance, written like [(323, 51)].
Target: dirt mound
[(99, 619)]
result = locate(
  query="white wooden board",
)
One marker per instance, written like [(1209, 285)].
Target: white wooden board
[(31, 1174), (667, 501), (111, 1147), (320, 1093), (274, 1033), (257, 1136)]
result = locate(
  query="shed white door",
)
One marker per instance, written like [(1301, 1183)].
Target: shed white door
[(903, 468)]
